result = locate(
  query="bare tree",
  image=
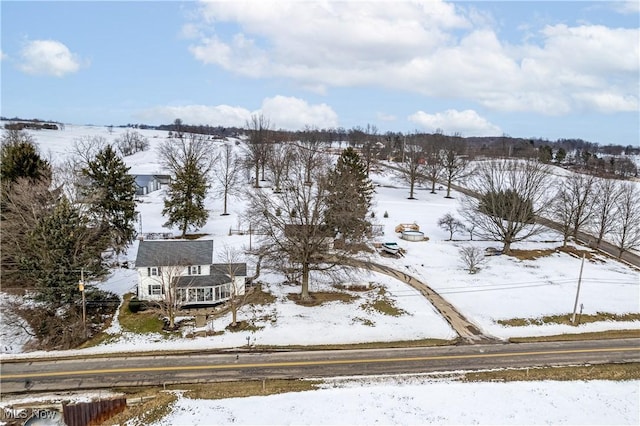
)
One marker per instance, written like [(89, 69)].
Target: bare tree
[(23, 207), (309, 151), (86, 148), (454, 161), (573, 204), (259, 130), (607, 192), (433, 167), (290, 225), (581, 187), (410, 168), (131, 142), (561, 211), (450, 224), (278, 163), (227, 175), (472, 258), (369, 147), (168, 304), (626, 232), (511, 193), (232, 268)]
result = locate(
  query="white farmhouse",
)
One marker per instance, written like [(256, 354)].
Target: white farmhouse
[(182, 272)]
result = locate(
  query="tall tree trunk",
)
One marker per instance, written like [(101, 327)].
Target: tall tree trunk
[(305, 282), (225, 203), (257, 170), (411, 185), (234, 314), (506, 249), (448, 188)]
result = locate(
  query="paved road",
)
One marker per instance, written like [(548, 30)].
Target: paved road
[(96, 373)]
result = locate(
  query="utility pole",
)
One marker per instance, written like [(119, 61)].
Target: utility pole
[(575, 305), (84, 302)]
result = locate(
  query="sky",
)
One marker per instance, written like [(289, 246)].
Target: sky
[(543, 69)]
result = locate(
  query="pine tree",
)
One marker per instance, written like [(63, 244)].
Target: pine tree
[(59, 246), (184, 204), (20, 158), (349, 200), (110, 191)]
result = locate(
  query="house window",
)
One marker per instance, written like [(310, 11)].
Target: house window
[(194, 270), (153, 271), (155, 290), (226, 291)]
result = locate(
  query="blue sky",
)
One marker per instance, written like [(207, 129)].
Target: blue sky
[(543, 69)]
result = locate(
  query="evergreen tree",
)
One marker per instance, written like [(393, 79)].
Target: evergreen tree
[(58, 248), (20, 158), (349, 200), (110, 190), (184, 204)]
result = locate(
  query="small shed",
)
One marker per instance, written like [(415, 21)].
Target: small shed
[(149, 183)]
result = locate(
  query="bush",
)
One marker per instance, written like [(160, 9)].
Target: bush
[(135, 305), (386, 214)]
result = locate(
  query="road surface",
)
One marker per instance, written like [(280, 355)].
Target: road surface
[(94, 373)]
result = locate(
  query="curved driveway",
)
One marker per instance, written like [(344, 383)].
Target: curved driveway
[(467, 331)]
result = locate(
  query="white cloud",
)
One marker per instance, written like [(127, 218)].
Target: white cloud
[(467, 123), (3, 56), (283, 112), (219, 115), (294, 113), (436, 48), (626, 6), (48, 57)]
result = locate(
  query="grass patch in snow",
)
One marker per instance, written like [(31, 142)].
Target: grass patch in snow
[(249, 388), (596, 335), (320, 297), (383, 304), (154, 406), (99, 339), (140, 322), (260, 297), (627, 371), (365, 345), (243, 326), (530, 254), (566, 319)]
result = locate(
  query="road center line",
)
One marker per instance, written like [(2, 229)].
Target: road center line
[(307, 363)]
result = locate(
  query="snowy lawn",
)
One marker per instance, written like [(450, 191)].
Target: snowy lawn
[(504, 288), (424, 401)]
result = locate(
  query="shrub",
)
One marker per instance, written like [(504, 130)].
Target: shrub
[(135, 305)]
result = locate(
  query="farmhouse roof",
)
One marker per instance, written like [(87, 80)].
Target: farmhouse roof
[(202, 280), (238, 269), (219, 275), (174, 253)]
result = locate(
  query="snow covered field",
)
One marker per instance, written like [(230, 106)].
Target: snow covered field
[(504, 288), (422, 401)]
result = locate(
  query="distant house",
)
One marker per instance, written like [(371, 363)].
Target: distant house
[(187, 268), (149, 183)]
